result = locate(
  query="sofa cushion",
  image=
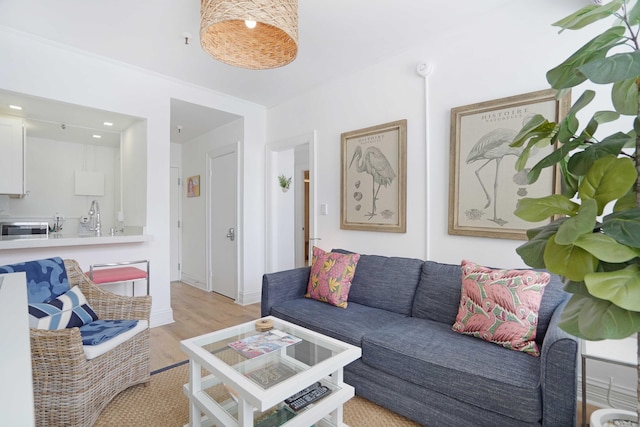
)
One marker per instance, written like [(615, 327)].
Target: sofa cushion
[(348, 325), (331, 276), (438, 293), (93, 351), (430, 354), (438, 296), (501, 306), (46, 278), (388, 283), (68, 310)]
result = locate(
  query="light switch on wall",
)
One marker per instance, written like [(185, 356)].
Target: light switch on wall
[(324, 209)]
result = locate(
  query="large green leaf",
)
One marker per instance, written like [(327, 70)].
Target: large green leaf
[(624, 96), (608, 178), (532, 251), (595, 319), (570, 261), (539, 209), (568, 128), (531, 127), (576, 287), (588, 15), (552, 158), (624, 226), (598, 118), (621, 287), (606, 248), (581, 162), (634, 14), (583, 222), (628, 201), (584, 100), (567, 75), (614, 68)]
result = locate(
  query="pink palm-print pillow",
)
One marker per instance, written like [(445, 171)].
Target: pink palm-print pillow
[(501, 306), (331, 276)]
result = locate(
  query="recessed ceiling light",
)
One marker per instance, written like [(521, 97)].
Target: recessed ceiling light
[(15, 107), (97, 136), (108, 124)]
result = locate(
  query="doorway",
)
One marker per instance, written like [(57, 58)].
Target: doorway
[(288, 249), (175, 221), (222, 221)]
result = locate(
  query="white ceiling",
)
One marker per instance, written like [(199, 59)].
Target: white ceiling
[(335, 37)]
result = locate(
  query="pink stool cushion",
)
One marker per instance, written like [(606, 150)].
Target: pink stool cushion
[(117, 274)]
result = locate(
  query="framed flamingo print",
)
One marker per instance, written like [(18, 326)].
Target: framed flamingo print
[(373, 178), (484, 186)]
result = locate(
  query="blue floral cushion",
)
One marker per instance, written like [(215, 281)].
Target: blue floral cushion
[(46, 278), (102, 330), (66, 311)]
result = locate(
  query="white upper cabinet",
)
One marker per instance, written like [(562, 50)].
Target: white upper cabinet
[(11, 156)]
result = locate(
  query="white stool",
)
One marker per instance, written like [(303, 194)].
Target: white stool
[(119, 272)]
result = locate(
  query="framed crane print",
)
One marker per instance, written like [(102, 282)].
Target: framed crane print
[(373, 178), (484, 186)]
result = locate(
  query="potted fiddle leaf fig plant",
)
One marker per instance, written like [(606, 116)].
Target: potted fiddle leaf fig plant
[(593, 237)]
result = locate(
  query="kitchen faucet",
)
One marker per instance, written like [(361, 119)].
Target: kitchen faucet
[(94, 212)]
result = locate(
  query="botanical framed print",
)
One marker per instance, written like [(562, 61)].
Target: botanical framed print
[(373, 178), (193, 186), (484, 187)]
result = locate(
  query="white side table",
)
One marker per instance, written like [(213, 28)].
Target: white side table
[(608, 351)]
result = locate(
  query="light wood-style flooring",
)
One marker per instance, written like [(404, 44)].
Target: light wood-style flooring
[(197, 312)]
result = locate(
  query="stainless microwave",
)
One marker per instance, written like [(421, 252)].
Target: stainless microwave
[(23, 230)]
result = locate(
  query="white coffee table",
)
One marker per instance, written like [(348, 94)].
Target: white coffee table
[(221, 393)]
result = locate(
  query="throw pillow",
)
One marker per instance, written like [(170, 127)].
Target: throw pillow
[(501, 306), (66, 311), (331, 276), (46, 278)]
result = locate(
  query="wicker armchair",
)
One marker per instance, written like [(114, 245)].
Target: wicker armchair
[(70, 390)]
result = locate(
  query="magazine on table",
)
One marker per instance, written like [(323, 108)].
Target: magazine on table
[(263, 343), (271, 374)]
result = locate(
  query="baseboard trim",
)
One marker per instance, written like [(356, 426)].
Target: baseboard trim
[(161, 317), (193, 281), (249, 297), (620, 397)]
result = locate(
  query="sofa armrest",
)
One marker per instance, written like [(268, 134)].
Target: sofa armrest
[(283, 286), (559, 374)]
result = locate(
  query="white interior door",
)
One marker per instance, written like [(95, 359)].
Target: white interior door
[(222, 220), (175, 220)]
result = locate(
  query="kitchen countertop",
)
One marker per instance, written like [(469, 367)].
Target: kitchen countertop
[(59, 239)]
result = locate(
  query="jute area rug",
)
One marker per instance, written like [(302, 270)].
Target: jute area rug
[(163, 403)]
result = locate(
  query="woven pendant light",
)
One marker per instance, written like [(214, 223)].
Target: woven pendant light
[(271, 44)]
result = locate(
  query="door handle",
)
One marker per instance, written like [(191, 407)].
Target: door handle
[(231, 235)]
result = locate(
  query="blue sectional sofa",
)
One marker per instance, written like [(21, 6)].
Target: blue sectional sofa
[(400, 312)]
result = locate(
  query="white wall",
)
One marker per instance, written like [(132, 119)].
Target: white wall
[(506, 53), (51, 167), (134, 174), (42, 68)]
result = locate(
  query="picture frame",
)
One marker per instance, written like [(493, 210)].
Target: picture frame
[(193, 186), (373, 178), (484, 187)]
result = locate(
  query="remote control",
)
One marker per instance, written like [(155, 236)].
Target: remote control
[(302, 393), (309, 398)]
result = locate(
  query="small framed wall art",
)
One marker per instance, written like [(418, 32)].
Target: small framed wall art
[(193, 186), (484, 186), (373, 178)]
